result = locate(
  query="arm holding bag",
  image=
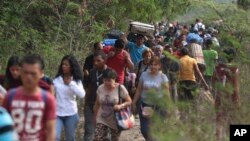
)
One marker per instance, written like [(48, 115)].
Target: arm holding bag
[(124, 117)]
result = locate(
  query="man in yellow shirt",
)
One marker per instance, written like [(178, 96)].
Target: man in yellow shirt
[(188, 69), (187, 84)]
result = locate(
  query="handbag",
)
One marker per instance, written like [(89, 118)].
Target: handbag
[(147, 112), (124, 117)]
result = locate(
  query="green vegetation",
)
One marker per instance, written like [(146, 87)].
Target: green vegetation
[(57, 27), (54, 28)]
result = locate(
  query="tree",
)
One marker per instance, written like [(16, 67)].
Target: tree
[(63, 26)]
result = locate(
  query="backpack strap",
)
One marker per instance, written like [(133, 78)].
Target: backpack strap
[(44, 95), (139, 65), (13, 93), (119, 94)]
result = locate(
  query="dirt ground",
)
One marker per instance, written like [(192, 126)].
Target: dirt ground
[(129, 135), (133, 134)]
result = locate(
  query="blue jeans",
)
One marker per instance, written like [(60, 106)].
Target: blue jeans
[(145, 122), (69, 123), (89, 128)]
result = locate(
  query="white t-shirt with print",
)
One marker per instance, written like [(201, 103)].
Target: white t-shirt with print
[(152, 83)]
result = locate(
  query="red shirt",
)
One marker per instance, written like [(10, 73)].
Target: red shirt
[(30, 114), (117, 62), (44, 85)]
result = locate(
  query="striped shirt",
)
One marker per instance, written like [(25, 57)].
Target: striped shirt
[(196, 53)]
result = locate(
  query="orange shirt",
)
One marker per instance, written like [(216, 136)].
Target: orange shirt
[(187, 68)]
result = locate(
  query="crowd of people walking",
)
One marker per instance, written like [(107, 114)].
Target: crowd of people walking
[(174, 63)]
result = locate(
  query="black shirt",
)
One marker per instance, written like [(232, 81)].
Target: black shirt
[(88, 64), (94, 80), (170, 67)]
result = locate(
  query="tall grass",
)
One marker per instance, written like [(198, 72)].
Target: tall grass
[(201, 121)]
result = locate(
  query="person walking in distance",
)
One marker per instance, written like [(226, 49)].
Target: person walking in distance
[(144, 64), (226, 83), (171, 68), (135, 49), (94, 80), (88, 64), (197, 54), (187, 80), (210, 57), (118, 59)]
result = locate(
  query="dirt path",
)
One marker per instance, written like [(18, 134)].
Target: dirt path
[(129, 135), (133, 134)]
